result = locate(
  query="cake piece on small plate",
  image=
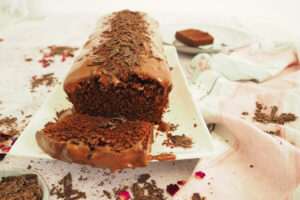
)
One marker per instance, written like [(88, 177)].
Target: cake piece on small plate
[(194, 37)]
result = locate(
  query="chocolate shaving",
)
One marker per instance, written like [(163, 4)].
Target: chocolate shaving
[(264, 118), (107, 194), (65, 189), (143, 178)]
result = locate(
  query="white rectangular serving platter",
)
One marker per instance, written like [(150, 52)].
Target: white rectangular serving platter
[(182, 112)]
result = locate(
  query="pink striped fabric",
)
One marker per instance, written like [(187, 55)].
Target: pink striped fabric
[(259, 165)]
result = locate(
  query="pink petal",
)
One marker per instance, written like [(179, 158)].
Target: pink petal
[(199, 175), (124, 195), (6, 149), (172, 189)]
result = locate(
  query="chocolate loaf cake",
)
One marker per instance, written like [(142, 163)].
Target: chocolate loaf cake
[(121, 70), (114, 143)]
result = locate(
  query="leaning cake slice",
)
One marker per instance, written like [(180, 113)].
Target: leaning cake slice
[(113, 143)]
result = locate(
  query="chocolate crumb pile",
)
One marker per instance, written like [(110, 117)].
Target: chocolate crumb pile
[(65, 189), (46, 79), (264, 118), (178, 141), (147, 190), (141, 190), (20, 187), (9, 125)]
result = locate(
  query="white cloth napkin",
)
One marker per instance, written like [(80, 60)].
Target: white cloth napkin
[(259, 62)]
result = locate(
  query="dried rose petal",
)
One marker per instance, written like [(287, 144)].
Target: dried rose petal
[(64, 56), (28, 59), (124, 195), (182, 182), (199, 175), (45, 62), (172, 189), (6, 149), (1, 40)]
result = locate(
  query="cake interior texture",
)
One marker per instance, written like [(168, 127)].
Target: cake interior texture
[(134, 98)]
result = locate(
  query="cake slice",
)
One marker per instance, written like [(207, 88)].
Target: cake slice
[(121, 70), (113, 143), (193, 37)]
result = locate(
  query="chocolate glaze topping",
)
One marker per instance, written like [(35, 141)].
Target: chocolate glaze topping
[(123, 44)]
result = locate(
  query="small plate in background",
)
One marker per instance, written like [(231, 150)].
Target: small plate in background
[(225, 38)]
